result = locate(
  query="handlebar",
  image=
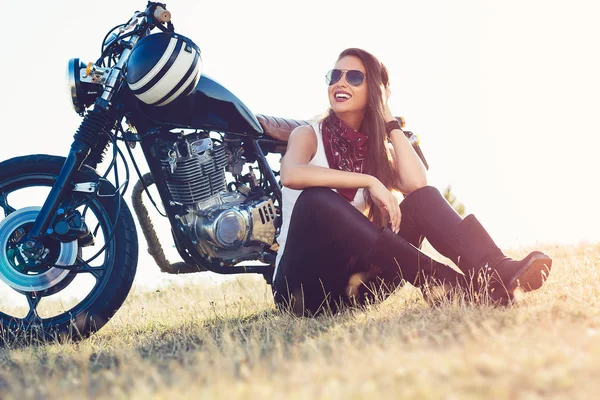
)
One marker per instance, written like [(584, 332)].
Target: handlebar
[(162, 15)]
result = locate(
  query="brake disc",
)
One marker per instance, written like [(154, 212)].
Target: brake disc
[(12, 275)]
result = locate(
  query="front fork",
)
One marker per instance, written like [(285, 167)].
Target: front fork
[(86, 138)]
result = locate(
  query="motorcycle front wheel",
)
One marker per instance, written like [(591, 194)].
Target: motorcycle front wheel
[(84, 281)]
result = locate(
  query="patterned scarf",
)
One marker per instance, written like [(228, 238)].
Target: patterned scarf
[(345, 148)]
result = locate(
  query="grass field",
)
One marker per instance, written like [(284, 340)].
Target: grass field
[(228, 342)]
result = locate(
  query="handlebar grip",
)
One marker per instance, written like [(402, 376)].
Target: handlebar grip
[(162, 15)]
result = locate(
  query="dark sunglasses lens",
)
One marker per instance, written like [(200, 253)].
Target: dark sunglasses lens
[(333, 76), (354, 77)]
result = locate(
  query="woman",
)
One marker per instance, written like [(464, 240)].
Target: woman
[(336, 247)]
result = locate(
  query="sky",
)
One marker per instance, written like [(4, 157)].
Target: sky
[(505, 95)]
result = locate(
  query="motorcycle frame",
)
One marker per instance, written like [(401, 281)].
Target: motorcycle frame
[(183, 243)]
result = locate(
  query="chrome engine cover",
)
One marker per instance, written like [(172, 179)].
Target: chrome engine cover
[(227, 228)]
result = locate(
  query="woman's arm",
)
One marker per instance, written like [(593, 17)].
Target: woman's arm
[(296, 174), (411, 172), (409, 167)]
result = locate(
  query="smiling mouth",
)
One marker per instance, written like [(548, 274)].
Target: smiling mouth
[(341, 96)]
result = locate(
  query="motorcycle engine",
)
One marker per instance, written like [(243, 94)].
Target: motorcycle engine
[(222, 224)]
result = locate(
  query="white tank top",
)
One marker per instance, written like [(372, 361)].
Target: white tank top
[(289, 196)]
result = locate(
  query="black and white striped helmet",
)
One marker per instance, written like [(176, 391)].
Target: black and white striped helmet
[(163, 67)]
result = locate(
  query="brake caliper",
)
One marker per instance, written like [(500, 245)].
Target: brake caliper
[(70, 225)]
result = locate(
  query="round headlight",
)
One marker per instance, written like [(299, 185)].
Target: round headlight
[(82, 94)]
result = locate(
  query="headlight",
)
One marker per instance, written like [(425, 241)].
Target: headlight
[(82, 94)]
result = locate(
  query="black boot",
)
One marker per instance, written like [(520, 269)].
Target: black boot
[(469, 245), (396, 259), (479, 254)]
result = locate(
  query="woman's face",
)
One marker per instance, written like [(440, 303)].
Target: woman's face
[(343, 97)]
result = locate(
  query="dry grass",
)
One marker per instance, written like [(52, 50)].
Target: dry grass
[(229, 342)]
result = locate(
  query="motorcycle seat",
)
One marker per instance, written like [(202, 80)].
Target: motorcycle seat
[(279, 128)]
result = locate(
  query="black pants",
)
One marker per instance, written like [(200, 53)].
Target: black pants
[(326, 233)]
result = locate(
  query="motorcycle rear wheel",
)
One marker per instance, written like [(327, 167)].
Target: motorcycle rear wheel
[(109, 276)]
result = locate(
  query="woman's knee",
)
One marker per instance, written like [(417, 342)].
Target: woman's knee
[(316, 196), (426, 190), (418, 196)]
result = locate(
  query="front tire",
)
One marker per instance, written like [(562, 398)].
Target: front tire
[(110, 275)]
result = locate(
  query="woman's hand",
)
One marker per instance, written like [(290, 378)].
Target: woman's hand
[(386, 93), (386, 201)]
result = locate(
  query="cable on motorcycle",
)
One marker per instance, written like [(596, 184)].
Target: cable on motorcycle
[(139, 174), (116, 152), (107, 51), (102, 47), (114, 138)]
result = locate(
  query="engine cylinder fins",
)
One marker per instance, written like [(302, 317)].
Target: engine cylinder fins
[(208, 168), (183, 196), (196, 189), (195, 185), (195, 176), (194, 170), (217, 181), (194, 165), (220, 155)]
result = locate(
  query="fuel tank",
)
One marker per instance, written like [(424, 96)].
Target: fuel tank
[(210, 106)]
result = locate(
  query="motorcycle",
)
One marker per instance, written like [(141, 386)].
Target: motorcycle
[(206, 153)]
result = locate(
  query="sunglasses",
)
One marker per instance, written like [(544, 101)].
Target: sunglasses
[(353, 77)]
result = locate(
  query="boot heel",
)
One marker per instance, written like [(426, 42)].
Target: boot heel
[(533, 274)]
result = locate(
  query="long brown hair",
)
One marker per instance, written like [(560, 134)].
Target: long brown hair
[(379, 157)]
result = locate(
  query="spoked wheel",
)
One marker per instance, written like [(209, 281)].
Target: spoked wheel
[(79, 283)]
